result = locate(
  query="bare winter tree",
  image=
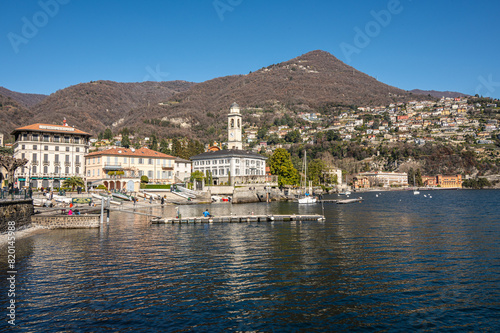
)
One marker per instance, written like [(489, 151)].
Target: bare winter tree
[(11, 164)]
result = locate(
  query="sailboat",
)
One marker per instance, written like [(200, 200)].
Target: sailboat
[(306, 198), (415, 190)]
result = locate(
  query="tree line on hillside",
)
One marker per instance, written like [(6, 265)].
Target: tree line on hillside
[(183, 148)]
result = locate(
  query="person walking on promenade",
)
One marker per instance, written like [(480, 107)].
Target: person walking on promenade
[(206, 213)]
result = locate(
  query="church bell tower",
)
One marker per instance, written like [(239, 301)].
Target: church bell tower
[(234, 128)]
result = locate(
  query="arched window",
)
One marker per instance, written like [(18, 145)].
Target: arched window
[(238, 123), (232, 122)]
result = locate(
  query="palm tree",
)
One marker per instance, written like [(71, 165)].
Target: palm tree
[(73, 182)]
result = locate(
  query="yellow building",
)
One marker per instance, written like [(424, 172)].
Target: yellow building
[(454, 181), (122, 168)]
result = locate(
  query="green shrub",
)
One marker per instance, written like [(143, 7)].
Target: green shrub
[(157, 186)]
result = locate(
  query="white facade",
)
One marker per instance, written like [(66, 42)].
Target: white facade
[(182, 169), (54, 153), (230, 162), (234, 123)]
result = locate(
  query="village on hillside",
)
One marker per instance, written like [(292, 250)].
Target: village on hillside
[(124, 162)]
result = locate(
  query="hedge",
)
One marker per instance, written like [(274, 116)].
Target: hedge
[(157, 187)]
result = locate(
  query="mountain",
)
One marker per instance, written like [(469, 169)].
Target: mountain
[(12, 114), (27, 100), (314, 82), (439, 94), (95, 106)]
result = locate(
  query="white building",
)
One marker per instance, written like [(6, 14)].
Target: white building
[(54, 153), (182, 169), (233, 165)]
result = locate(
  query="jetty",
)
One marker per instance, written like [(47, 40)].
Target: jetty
[(239, 219), (341, 201)]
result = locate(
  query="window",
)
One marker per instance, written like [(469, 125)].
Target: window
[(22, 155), (66, 139), (221, 161), (214, 172), (208, 162), (88, 173), (157, 174), (77, 149), (132, 160), (66, 159), (45, 138), (34, 158), (76, 140), (45, 157), (150, 174), (116, 160), (141, 161), (150, 161), (57, 148), (34, 137), (141, 173), (35, 147), (221, 171), (77, 170), (46, 148), (98, 172), (77, 159), (67, 148), (33, 169), (23, 147), (237, 161), (67, 170), (56, 138), (45, 169), (57, 158), (56, 170), (124, 160), (25, 137)]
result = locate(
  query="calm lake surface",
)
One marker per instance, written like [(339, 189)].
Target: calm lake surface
[(396, 262)]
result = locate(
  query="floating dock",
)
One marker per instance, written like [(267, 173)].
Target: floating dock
[(239, 219)]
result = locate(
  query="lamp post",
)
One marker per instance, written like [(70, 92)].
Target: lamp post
[(29, 180)]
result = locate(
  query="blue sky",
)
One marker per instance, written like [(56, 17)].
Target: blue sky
[(442, 45)]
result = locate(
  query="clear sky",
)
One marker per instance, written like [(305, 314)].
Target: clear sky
[(426, 44)]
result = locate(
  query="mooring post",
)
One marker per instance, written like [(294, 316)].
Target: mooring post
[(108, 207), (102, 210)]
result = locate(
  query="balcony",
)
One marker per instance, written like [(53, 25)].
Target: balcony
[(166, 168), (46, 163), (113, 166)]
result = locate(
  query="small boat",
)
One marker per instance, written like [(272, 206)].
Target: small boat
[(63, 199), (121, 196), (306, 198), (415, 191), (348, 201)]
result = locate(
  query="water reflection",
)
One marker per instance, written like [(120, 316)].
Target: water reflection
[(394, 262)]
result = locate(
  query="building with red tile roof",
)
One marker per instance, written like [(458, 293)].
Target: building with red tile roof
[(54, 153), (122, 168)]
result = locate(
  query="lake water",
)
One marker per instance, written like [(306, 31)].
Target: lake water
[(396, 262)]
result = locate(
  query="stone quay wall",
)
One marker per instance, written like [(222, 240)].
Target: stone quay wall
[(67, 221), (19, 211)]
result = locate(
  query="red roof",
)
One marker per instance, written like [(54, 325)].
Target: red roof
[(141, 152), (50, 128)]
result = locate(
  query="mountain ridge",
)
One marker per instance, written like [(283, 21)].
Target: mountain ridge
[(311, 82)]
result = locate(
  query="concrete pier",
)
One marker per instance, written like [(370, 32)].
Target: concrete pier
[(239, 219)]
